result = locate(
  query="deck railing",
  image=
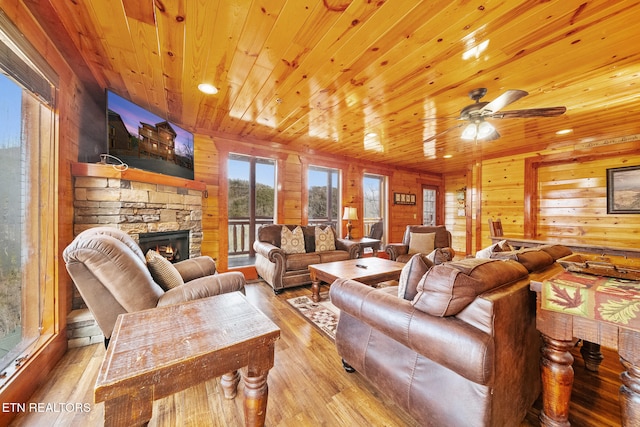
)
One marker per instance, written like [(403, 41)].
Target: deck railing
[(241, 236)]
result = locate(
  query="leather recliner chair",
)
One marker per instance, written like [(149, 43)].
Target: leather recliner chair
[(112, 276), (400, 252)]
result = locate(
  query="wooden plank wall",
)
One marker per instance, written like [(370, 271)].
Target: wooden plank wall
[(572, 201), (559, 195), (206, 160), (502, 196), (455, 223)]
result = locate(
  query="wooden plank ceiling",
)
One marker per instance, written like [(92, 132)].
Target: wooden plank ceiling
[(365, 79)]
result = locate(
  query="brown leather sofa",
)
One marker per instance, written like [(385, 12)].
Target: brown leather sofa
[(112, 276), (463, 352), (282, 270), (534, 259), (400, 251)]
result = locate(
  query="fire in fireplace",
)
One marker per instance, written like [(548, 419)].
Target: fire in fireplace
[(173, 245)]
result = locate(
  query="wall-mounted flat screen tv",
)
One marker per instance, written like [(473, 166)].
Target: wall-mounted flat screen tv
[(142, 140)]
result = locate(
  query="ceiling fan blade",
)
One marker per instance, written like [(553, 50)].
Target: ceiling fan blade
[(502, 101), (531, 112), (425, 119), (431, 138)]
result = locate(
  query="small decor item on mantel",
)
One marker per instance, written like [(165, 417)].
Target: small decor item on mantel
[(404, 199), (618, 267)]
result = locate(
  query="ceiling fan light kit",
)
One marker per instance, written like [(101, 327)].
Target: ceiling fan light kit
[(482, 130)]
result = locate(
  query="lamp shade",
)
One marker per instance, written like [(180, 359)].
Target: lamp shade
[(479, 130), (350, 213), (469, 133)]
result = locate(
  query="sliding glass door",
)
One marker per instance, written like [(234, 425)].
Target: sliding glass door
[(252, 201), (323, 188)]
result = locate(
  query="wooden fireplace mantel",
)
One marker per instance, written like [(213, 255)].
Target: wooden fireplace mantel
[(99, 170)]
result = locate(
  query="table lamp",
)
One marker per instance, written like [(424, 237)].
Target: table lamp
[(349, 214)]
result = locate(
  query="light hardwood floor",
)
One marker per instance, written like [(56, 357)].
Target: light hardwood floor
[(307, 386)]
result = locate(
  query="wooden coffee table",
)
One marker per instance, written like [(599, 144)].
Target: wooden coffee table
[(159, 352), (370, 271)]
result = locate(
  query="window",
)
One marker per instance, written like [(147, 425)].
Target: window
[(252, 201), (374, 200), (323, 196), (28, 176), (428, 206)]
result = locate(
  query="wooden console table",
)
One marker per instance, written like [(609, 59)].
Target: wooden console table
[(158, 352), (581, 319)]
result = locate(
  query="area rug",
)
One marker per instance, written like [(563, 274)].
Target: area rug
[(324, 315)]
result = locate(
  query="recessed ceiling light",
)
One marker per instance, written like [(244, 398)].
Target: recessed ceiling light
[(447, 156), (207, 88), (564, 131)]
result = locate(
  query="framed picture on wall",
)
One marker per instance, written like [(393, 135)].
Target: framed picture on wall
[(623, 190), (404, 199)]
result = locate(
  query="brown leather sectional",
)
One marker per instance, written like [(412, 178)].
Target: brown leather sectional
[(463, 352)]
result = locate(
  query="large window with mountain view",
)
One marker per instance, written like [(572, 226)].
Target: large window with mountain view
[(27, 203), (323, 196), (252, 200)]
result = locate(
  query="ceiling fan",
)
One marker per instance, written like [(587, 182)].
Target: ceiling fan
[(475, 114)]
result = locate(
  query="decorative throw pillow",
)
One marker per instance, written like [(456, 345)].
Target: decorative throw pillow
[(441, 255), (445, 291), (504, 246), (421, 243), (411, 274), (325, 240), (486, 252), (163, 272), (292, 242)]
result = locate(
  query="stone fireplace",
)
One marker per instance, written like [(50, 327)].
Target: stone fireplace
[(138, 202)]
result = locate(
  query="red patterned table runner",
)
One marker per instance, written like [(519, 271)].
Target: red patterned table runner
[(608, 299)]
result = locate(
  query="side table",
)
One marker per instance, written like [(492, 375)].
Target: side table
[(367, 242), (155, 353)]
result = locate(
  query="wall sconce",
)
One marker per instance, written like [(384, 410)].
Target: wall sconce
[(349, 214)]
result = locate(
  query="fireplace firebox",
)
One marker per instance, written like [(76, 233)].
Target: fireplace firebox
[(173, 245)]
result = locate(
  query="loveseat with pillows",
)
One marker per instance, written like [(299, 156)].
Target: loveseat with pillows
[(284, 252), (455, 344)]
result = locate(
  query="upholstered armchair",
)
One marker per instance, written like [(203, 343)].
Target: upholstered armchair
[(114, 277), (426, 238)]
